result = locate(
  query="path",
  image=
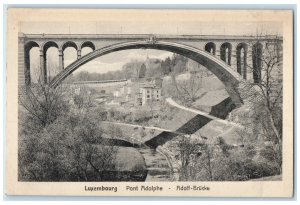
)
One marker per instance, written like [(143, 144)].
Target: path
[(141, 126), (198, 112)]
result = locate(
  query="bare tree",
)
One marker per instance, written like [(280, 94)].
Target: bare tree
[(201, 159), (101, 158), (263, 94), (93, 154), (56, 144), (188, 89), (187, 152), (192, 86), (43, 103), (84, 98), (207, 161)]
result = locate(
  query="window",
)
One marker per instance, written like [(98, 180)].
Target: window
[(148, 96)]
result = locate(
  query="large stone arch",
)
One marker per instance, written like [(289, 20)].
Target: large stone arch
[(228, 76)]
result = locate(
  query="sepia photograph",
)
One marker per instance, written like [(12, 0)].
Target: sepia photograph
[(150, 100)]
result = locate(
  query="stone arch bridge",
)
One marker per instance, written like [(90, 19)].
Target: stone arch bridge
[(228, 57)]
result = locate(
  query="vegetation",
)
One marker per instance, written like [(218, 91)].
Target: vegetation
[(137, 69), (263, 122), (63, 141), (215, 160)]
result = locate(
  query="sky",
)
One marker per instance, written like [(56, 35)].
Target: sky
[(144, 27), (115, 61)]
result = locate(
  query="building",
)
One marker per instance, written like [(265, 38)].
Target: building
[(117, 94), (125, 90), (138, 99), (149, 93)]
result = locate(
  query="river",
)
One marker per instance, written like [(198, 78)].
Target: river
[(157, 165)]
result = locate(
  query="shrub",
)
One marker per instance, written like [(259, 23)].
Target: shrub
[(63, 150)]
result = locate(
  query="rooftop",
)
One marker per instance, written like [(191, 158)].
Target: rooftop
[(150, 86)]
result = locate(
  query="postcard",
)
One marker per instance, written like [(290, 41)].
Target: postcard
[(189, 103)]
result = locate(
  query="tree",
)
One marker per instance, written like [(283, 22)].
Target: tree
[(178, 63), (57, 143), (264, 97), (188, 90), (135, 66), (192, 87), (83, 76), (202, 160), (142, 72), (213, 161), (43, 104), (94, 149), (70, 149), (83, 99), (168, 64), (187, 152)]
